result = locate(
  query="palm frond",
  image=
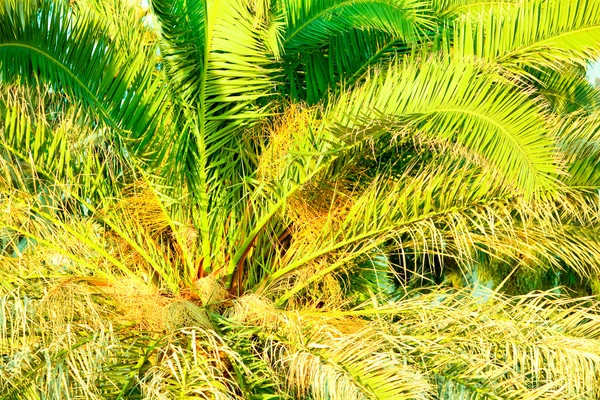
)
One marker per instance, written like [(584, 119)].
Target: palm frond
[(514, 37), (527, 333), (474, 344), (205, 68), (217, 86), (296, 161), (40, 149), (454, 212), (343, 368), (135, 237), (455, 8), (568, 91), (128, 26), (46, 41), (309, 23), (578, 136), (347, 56), (182, 28), (460, 102), (196, 365), (318, 34), (258, 378)]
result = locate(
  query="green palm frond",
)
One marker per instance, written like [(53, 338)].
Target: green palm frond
[(455, 8), (39, 148), (309, 23), (218, 87), (327, 41), (202, 65), (347, 56), (412, 206), (45, 41), (579, 139), (568, 91), (182, 27), (539, 34), (469, 226), (363, 48), (460, 102)]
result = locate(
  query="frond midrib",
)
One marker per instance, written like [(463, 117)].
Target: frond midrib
[(314, 18)]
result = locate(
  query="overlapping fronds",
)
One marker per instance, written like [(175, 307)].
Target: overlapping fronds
[(512, 340), (455, 212), (71, 358), (182, 31), (344, 58), (456, 8), (325, 42), (322, 358), (41, 149), (343, 367), (461, 102), (310, 23), (218, 81), (126, 22), (568, 91), (218, 88), (537, 34), (472, 344), (457, 207), (579, 139), (30, 223), (200, 369), (475, 344), (139, 240), (164, 234), (45, 41)]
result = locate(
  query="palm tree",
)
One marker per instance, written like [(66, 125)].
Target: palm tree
[(277, 175)]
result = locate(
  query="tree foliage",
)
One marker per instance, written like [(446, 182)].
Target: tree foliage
[(252, 198)]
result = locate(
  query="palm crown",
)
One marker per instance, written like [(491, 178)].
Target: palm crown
[(239, 159)]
